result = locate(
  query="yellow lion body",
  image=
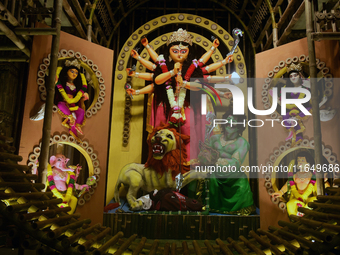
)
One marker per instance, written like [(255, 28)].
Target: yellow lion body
[(137, 176)]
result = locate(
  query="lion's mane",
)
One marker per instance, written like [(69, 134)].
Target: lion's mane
[(171, 160)]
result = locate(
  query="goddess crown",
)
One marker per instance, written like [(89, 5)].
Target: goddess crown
[(294, 67), (72, 63), (180, 36)]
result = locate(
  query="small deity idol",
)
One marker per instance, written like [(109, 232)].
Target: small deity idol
[(297, 80), (62, 180), (300, 184), (70, 95)]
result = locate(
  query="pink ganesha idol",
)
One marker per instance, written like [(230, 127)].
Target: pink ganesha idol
[(62, 180)]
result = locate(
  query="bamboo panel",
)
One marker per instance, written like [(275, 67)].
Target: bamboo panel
[(56, 220), (208, 227), (128, 225), (151, 227), (125, 245), (315, 223), (166, 249), (236, 246), (140, 246), (223, 247), (66, 242), (184, 227), (251, 246), (134, 227), (279, 240), (202, 227), (154, 247), (210, 249), (173, 249), (265, 243), (181, 222)]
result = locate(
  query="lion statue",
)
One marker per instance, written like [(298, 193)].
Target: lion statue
[(162, 166)]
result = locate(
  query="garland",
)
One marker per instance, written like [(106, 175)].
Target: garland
[(178, 116), (70, 179), (74, 100), (302, 197)]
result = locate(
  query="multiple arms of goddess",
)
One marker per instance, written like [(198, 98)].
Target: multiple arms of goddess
[(162, 78)]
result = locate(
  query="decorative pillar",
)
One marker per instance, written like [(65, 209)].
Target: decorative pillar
[(315, 99)]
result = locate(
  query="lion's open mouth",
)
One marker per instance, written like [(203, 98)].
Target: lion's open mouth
[(158, 149)]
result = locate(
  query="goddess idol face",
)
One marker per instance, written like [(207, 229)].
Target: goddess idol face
[(302, 164), (295, 78), (302, 180), (72, 74), (179, 53)]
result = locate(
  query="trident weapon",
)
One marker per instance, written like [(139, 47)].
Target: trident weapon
[(236, 36)]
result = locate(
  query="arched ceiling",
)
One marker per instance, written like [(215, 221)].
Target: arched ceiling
[(117, 19)]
